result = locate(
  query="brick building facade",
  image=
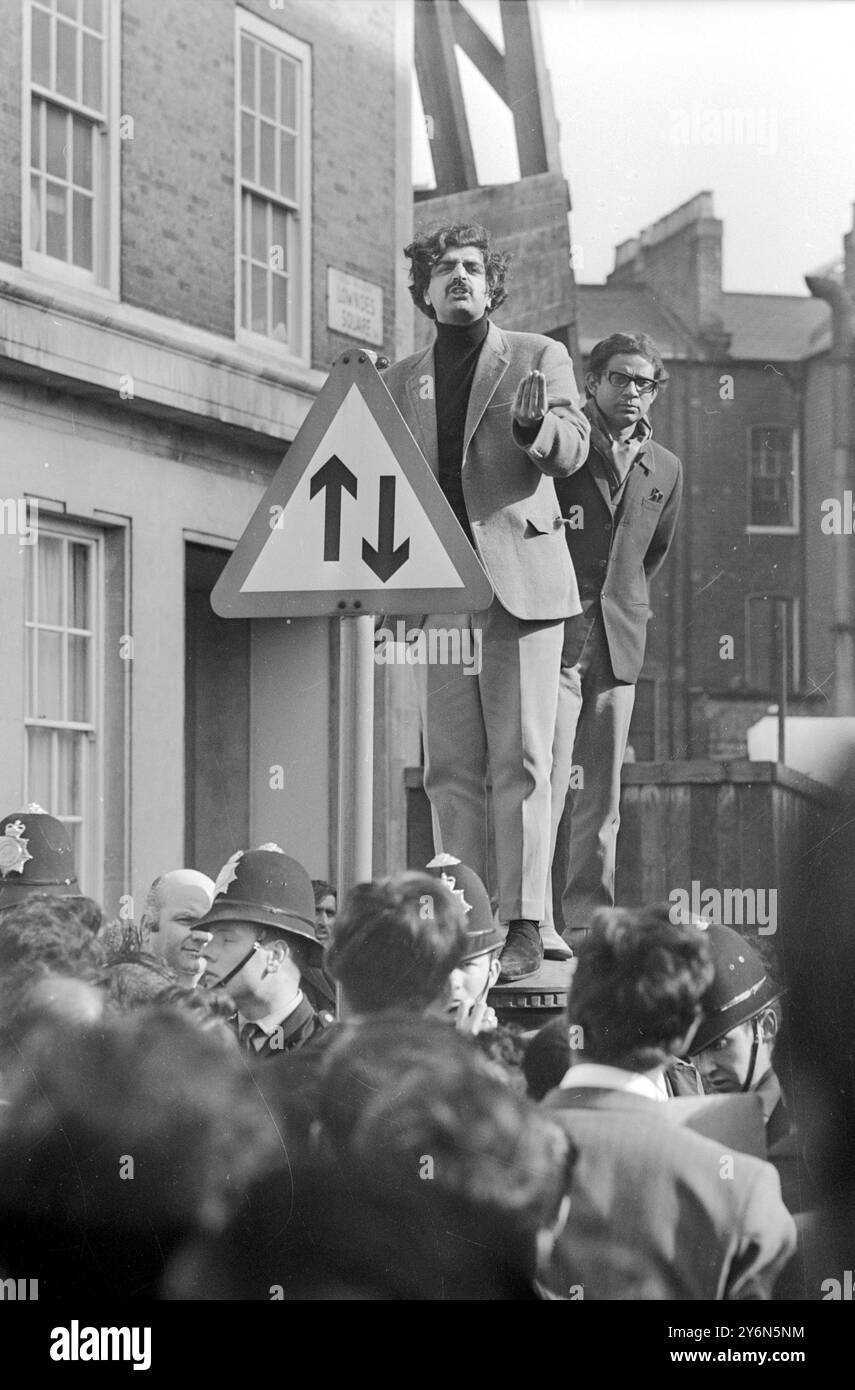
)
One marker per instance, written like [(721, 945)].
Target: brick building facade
[(748, 409), (176, 183)]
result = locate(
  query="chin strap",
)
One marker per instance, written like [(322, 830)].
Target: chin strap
[(256, 946), (755, 1048)]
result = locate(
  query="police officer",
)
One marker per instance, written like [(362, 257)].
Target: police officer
[(471, 981), (733, 1046), (261, 925), (36, 857)]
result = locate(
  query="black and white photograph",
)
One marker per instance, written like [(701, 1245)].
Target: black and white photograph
[(427, 725)]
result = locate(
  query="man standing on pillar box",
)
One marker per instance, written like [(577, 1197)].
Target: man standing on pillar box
[(620, 512), (497, 416)]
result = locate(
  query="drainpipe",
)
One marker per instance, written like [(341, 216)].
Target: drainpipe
[(843, 625)]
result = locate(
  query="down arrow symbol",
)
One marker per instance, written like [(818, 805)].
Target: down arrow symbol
[(385, 560)]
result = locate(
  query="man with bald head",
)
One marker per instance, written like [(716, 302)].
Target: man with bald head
[(174, 903)]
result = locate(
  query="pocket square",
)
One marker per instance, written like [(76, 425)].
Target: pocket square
[(656, 495)]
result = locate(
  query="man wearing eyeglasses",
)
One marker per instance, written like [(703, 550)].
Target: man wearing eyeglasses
[(620, 512)]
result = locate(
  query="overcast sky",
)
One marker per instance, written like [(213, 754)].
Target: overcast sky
[(659, 99)]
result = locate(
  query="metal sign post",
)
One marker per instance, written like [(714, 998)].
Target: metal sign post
[(355, 751)]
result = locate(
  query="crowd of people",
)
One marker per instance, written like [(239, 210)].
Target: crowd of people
[(250, 1090), (256, 1092)]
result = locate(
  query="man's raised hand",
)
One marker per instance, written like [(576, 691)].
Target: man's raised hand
[(531, 401)]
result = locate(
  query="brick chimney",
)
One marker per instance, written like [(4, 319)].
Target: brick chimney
[(678, 258)]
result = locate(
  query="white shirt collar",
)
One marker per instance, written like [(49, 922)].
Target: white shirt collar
[(271, 1022), (616, 1079)]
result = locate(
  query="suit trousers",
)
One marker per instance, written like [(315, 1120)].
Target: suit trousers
[(492, 710), (591, 733)]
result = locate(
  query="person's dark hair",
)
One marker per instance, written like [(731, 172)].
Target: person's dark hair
[(639, 344), (209, 1008), (322, 889), (53, 931), (637, 987), (396, 941), (428, 246), (546, 1058), (118, 1141), (397, 1089), (504, 1048)]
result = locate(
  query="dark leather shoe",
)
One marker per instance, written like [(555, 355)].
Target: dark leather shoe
[(522, 953)]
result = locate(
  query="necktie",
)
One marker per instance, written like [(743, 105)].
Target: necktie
[(250, 1033)]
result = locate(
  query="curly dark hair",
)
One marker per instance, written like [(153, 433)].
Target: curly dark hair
[(638, 986), (427, 247), (60, 932)]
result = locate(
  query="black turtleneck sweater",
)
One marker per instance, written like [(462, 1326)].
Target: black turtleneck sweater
[(456, 353)]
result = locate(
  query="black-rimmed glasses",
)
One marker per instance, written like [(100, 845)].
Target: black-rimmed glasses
[(643, 384)]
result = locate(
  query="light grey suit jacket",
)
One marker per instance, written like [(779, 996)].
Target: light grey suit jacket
[(507, 478), (659, 1212)]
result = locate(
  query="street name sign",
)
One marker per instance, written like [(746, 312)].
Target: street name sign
[(354, 521)]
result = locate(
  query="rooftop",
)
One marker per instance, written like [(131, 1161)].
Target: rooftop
[(605, 309), (763, 327), (782, 327)]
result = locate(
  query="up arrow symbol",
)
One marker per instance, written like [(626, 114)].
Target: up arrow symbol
[(334, 476), (385, 560)]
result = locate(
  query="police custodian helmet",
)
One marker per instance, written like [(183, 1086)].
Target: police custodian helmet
[(741, 987), (36, 856), (482, 934), (269, 888)]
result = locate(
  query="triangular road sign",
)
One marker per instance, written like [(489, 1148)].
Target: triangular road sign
[(354, 520)]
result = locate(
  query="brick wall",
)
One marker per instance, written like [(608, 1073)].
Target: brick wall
[(10, 131), (178, 174), (177, 209), (726, 563), (178, 171)]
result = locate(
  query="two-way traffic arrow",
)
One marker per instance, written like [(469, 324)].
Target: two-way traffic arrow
[(333, 478)]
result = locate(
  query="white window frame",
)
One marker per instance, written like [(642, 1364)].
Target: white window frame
[(90, 870), (104, 278), (250, 24), (794, 638), (752, 528)]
